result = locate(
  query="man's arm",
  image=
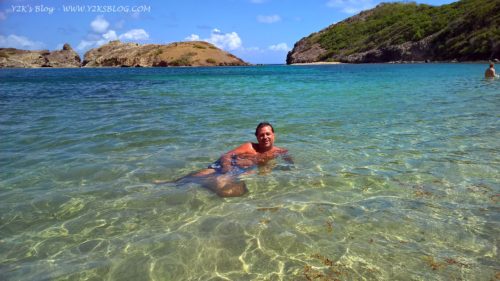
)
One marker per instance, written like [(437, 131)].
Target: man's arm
[(283, 152), (288, 159), (226, 158)]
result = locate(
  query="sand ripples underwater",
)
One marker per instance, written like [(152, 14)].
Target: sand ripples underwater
[(395, 177)]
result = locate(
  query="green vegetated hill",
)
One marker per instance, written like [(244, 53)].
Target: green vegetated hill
[(465, 30), (194, 53)]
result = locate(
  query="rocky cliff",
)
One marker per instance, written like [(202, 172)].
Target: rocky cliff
[(66, 57), (118, 54), (465, 31), (198, 53)]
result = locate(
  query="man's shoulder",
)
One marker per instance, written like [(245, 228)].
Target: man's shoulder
[(247, 147)]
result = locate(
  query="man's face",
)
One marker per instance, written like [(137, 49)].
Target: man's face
[(265, 137)]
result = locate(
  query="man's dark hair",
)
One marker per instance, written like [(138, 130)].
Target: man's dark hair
[(263, 124)]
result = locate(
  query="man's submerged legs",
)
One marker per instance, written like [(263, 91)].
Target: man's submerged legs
[(224, 185), (228, 186)]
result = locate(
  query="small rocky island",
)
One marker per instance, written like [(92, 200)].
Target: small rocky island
[(194, 53), (65, 58), (119, 54), (466, 30)]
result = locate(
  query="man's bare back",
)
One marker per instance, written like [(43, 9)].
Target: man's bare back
[(490, 72)]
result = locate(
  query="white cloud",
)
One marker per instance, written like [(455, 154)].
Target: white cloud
[(100, 34), (135, 34), (99, 25), (19, 42), (84, 45), (268, 19), (351, 6), (282, 47), (92, 42), (193, 37), (110, 35), (227, 41)]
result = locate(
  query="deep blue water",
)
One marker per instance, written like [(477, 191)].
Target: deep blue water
[(396, 173)]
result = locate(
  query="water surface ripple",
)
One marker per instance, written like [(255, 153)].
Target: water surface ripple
[(396, 173)]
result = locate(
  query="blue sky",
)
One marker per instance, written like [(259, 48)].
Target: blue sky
[(258, 31)]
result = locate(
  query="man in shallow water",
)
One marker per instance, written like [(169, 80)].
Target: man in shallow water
[(222, 176), (490, 72)]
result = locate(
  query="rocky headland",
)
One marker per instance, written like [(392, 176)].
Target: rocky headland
[(119, 54), (195, 53), (66, 57), (397, 32)]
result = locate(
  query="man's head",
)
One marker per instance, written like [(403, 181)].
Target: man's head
[(263, 124), (265, 135), (492, 64)]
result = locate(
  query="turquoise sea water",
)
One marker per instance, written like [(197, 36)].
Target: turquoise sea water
[(396, 173)]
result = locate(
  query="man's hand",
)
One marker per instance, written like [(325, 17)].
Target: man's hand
[(226, 163)]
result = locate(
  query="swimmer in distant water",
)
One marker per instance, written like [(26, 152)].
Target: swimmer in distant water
[(490, 72), (222, 175)]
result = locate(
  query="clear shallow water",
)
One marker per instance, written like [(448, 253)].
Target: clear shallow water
[(396, 177)]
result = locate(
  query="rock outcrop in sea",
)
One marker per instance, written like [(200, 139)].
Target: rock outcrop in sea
[(466, 30), (119, 54), (64, 58), (195, 53)]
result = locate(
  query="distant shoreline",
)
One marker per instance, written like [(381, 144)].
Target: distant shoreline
[(261, 64), (317, 63), (401, 62)]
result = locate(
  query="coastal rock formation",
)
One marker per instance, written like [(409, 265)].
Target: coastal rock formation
[(305, 52), (196, 53), (67, 57), (408, 51), (394, 32), (118, 54)]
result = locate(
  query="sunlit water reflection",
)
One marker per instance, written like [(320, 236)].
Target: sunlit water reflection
[(395, 177)]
